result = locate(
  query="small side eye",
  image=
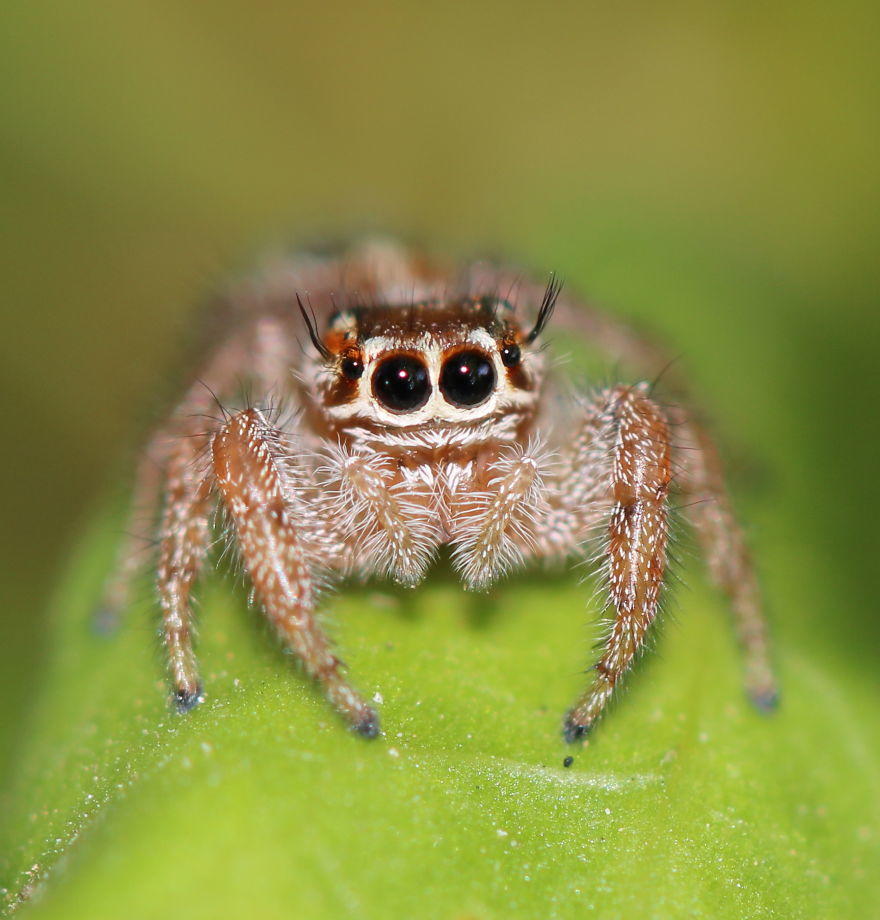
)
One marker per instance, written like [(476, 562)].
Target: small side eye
[(352, 368), (510, 355)]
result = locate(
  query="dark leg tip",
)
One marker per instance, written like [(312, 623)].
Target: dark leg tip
[(368, 727), (105, 620), (765, 700), (573, 731), (185, 700)]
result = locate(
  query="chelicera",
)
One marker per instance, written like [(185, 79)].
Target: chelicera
[(424, 415)]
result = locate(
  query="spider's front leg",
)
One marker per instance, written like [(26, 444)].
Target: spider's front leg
[(624, 441), (182, 549), (495, 519), (253, 474)]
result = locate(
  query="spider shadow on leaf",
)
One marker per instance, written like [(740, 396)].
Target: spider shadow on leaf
[(478, 609)]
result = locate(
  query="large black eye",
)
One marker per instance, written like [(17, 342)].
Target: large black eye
[(401, 383), (467, 378)]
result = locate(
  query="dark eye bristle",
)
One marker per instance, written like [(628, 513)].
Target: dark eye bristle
[(548, 304), (312, 326)]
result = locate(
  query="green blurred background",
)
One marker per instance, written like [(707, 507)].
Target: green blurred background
[(722, 155)]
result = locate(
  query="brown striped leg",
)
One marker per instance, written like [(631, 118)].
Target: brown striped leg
[(193, 414), (138, 536), (727, 556), (636, 550), (705, 495), (184, 543), (253, 477)]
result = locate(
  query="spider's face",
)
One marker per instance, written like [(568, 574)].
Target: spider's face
[(433, 365)]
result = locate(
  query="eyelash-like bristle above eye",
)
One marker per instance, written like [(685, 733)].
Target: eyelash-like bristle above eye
[(548, 304), (312, 326)]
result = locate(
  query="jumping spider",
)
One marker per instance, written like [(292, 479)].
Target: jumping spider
[(423, 416)]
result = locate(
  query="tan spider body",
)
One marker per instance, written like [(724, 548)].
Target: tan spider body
[(423, 415)]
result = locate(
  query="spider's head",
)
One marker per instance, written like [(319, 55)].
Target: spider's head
[(436, 364)]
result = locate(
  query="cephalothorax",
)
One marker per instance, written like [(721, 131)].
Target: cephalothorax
[(423, 415)]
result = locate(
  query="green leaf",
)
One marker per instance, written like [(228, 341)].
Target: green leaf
[(686, 802), (259, 803)]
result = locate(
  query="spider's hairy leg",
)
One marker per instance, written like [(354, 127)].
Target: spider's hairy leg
[(140, 529), (702, 483), (727, 555), (189, 417), (184, 542), (638, 485), (253, 475)]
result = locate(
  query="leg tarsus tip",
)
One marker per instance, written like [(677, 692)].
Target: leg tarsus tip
[(765, 700), (368, 726), (574, 731), (186, 700), (105, 620)]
